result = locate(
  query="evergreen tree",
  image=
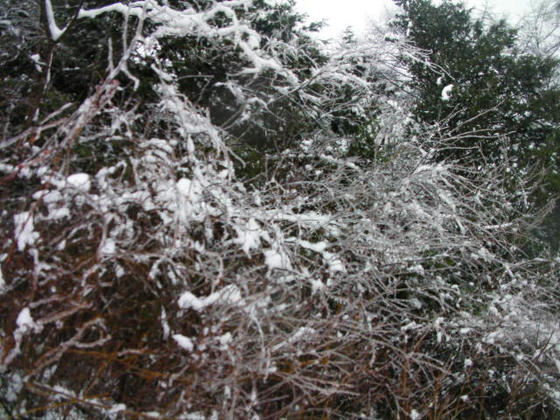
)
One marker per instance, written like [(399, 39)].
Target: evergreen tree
[(487, 88)]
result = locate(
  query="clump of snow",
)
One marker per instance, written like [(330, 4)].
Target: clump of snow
[(335, 264), (108, 247), (446, 92), (249, 236), (184, 342), (417, 269), (229, 295), (484, 254), (80, 181), (55, 205), (15, 384), (274, 259), (316, 285), (410, 326), (25, 321), (188, 188), (36, 58), (303, 333), (116, 408), (318, 247), (190, 301), (25, 325), (165, 324), (24, 233), (415, 415), (225, 339)]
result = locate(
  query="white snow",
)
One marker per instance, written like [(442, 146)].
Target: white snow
[(14, 383), (249, 236), (165, 324), (335, 264), (25, 324), (54, 30), (108, 247), (485, 254), (116, 7), (417, 269), (274, 259), (79, 181), (25, 321), (184, 342), (47, 196), (59, 213), (188, 188), (24, 233), (117, 408), (318, 247), (446, 92), (55, 204), (229, 295), (188, 300), (179, 23), (36, 58), (410, 326), (316, 285), (225, 339)]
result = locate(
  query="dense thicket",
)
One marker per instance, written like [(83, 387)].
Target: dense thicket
[(208, 214)]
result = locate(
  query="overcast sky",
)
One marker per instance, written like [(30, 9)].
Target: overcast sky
[(343, 13)]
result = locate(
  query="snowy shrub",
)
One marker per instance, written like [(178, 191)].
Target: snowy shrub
[(153, 283)]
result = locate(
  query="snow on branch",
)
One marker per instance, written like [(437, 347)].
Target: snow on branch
[(189, 22), (54, 30)]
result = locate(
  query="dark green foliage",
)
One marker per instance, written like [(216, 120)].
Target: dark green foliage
[(497, 90)]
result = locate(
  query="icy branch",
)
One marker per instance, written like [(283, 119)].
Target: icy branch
[(188, 22), (54, 30)]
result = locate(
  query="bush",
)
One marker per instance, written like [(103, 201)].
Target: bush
[(157, 285)]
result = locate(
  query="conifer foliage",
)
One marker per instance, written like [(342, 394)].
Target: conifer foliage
[(488, 86), (147, 273)]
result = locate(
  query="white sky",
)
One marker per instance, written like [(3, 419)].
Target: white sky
[(357, 13)]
